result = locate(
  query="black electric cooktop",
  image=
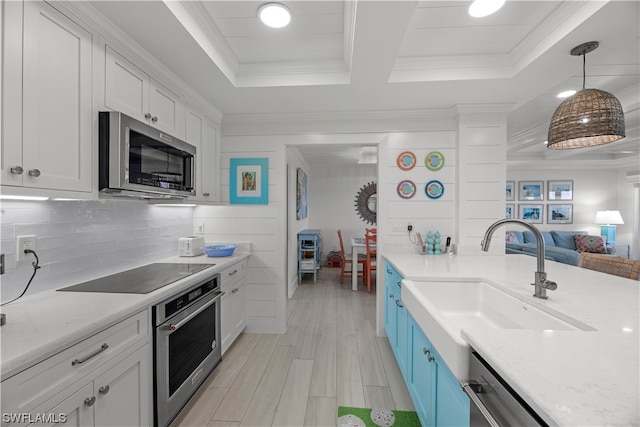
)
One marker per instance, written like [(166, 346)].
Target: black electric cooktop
[(140, 280)]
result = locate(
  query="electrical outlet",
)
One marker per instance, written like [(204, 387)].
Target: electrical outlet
[(200, 227), (1, 263), (410, 227), (24, 243)]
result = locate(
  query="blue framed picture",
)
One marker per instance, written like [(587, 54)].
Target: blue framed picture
[(249, 181)]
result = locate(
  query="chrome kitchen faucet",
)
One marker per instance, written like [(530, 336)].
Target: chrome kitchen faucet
[(541, 283)]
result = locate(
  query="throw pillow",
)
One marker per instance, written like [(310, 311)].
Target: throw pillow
[(590, 243), (511, 237)]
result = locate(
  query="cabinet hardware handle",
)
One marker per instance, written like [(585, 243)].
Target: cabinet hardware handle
[(91, 355), (400, 284), (430, 358), (147, 116), (399, 304), (232, 273), (205, 194), (426, 350), (34, 172), (103, 390), (89, 401), (391, 296), (16, 170), (154, 119)]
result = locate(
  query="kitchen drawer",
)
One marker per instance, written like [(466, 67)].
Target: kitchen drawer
[(232, 274), (39, 383)]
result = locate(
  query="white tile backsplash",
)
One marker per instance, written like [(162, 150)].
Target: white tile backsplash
[(82, 240)]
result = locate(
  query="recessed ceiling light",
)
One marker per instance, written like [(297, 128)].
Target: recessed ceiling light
[(481, 8), (566, 94), (274, 15)]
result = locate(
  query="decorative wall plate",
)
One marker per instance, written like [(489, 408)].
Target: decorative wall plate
[(434, 161), (406, 189), (406, 160), (434, 189)]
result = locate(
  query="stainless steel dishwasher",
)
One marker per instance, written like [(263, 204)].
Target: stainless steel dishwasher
[(493, 401)]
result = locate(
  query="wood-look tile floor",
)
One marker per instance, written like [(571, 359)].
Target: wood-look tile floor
[(330, 356)]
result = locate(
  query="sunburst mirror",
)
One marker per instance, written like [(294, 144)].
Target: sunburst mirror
[(367, 203)]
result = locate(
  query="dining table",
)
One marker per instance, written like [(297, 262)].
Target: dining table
[(357, 244)]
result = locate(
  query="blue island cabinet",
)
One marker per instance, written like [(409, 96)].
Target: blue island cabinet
[(395, 317), (435, 392)]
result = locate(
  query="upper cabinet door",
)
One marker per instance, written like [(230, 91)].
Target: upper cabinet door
[(126, 87), (57, 107), (134, 93)]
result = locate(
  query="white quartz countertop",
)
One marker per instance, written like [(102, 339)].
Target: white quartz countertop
[(570, 378), (43, 324)]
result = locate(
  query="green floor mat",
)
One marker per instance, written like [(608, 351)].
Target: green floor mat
[(348, 416)]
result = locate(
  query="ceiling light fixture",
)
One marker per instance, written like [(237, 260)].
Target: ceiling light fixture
[(482, 8), (590, 117), (274, 15)]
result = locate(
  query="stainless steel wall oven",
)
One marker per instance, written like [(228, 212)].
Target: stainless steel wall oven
[(187, 345)]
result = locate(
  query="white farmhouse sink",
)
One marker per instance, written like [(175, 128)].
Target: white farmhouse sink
[(478, 303), (444, 309)]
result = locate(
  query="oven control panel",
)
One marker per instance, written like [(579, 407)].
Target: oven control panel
[(175, 304)]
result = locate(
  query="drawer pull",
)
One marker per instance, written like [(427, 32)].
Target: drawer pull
[(17, 170), (89, 401), (103, 390), (232, 273), (89, 356), (399, 304), (391, 296)]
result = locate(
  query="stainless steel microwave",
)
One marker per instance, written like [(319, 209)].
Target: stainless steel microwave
[(141, 161)]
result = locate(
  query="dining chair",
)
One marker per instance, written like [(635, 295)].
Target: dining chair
[(346, 258), (622, 267), (371, 241), (370, 231)]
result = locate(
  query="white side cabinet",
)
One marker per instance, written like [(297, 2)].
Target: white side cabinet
[(47, 99), (104, 380), (203, 134), (133, 92), (233, 303)]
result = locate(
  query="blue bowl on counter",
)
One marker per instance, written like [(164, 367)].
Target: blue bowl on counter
[(220, 250)]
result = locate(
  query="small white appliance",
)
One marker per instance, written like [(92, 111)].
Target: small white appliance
[(190, 246)]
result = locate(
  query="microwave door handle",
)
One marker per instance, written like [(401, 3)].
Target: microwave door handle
[(471, 387), (127, 151), (184, 321)]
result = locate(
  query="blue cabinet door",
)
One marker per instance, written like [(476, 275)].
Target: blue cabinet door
[(402, 348), (452, 404), (421, 374), (390, 316)]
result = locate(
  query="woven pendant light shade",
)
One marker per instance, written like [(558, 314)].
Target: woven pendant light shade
[(590, 117)]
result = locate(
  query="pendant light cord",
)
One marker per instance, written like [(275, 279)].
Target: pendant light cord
[(584, 70)]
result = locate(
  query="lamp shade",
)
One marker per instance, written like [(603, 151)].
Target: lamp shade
[(588, 118), (609, 217)]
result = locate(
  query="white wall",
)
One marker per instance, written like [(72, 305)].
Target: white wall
[(262, 225), (81, 240), (295, 225)]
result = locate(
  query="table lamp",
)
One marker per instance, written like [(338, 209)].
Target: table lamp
[(608, 221)]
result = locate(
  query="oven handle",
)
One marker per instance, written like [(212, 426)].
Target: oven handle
[(471, 388), (172, 328)]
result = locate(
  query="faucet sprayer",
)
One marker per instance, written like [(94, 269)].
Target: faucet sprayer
[(541, 283)]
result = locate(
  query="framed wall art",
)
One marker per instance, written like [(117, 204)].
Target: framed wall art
[(530, 190), (531, 213), (510, 190), (249, 181), (559, 214), (302, 197), (560, 190), (510, 211)]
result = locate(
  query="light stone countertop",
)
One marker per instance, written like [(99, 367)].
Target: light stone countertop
[(570, 378), (43, 324)]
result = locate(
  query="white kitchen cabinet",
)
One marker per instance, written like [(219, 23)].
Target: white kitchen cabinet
[(47, 99), (103, 380), (203, 134), (233, 303), (119, 397), (134, 93)]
